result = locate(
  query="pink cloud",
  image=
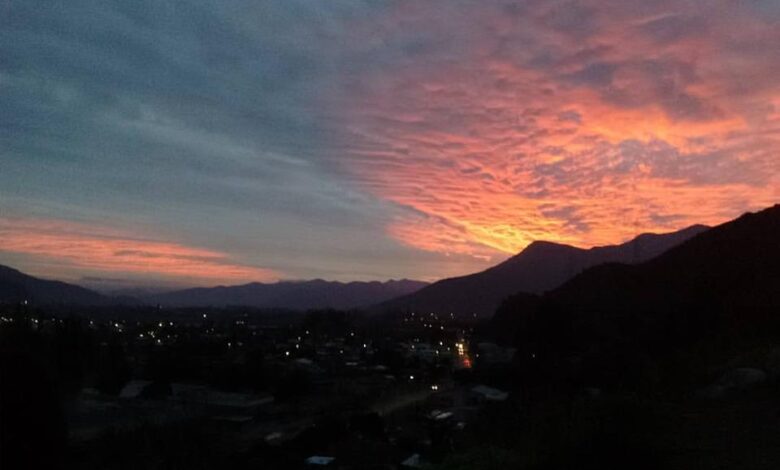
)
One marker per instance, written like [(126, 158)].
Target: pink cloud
[(513, 126), (66, 248)]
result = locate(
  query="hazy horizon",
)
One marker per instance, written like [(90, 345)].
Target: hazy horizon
[(108, 285)]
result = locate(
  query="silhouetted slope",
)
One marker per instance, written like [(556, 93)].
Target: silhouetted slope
[(298, 295), (16, 286), (542, 266), (723, 283), (726, 265)]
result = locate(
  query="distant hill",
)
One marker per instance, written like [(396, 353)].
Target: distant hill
[(540, 267), (711, 293), (16, 286), (732, 268), (297, 295), (735, 265)]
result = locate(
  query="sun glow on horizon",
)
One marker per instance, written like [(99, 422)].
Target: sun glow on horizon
[(64, 246), (581, 138)]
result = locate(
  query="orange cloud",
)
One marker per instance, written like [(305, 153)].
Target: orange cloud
[(67, 248), (587, 132)]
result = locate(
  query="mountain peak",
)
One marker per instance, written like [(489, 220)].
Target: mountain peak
[(16, 286), (9, 271), (539, 249), (544, 244), (290, 294), (693, 229), (540, 267)]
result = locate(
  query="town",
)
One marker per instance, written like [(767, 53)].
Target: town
[(313, 388)]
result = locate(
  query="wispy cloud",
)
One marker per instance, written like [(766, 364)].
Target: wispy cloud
[(95, 249)]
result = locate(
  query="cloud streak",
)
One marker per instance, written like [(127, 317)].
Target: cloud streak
[(95, 249)]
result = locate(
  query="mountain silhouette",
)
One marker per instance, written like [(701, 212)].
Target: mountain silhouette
[(296, 295), (734, 266), (721, 288), (540, 267), (16, 286)]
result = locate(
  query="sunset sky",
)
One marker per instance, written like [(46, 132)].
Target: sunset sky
[(202, 143)]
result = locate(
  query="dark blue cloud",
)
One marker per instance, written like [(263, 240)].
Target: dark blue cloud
[(194, 118)]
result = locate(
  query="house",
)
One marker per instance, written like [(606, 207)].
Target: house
[(485, 393), (242, 404), (319, 460), (412, 462), (133, 388), (493, 354)]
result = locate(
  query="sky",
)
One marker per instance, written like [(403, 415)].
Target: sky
[(221, 142)]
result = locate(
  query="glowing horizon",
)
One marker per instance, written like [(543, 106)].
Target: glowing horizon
[(98, 250), (232, 142)]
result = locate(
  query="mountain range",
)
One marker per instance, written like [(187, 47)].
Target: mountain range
[(16, 286), (711, 293), (296, 295), (540, 267)]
